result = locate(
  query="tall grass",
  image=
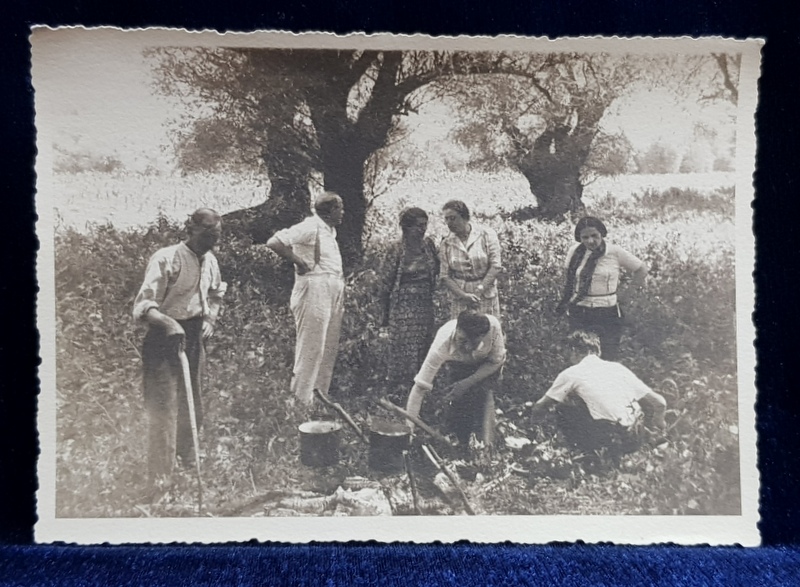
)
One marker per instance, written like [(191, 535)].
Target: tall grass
[(680, 339), (131, 200)]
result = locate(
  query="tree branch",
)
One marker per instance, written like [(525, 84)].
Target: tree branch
[(722, 62)]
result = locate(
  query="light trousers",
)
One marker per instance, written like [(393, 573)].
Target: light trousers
[(318, 306)]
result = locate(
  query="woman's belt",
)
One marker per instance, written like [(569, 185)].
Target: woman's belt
[(464, 277)]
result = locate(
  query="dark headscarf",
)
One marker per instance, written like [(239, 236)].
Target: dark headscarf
[(571, 295)]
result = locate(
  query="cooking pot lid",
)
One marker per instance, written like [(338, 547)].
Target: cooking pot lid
[(319, 427), (389, 428)]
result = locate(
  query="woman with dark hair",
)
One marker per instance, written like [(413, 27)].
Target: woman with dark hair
[(470, 259), (473, 347), (408, 299), (590, 290)]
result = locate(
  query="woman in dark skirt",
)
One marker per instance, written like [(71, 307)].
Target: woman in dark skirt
[(590, 290), (408, 303)]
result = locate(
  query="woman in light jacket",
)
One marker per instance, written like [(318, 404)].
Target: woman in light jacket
[(471, 261), (590, 300)]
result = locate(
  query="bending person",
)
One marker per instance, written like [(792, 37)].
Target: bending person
[(600, 404), (318, 296), (473, 346), (179, 301), (592, 278)]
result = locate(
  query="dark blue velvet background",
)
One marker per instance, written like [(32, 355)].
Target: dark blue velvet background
[(776, 224)]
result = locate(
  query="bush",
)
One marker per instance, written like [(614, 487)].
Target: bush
[(661, 203), (680, 340)]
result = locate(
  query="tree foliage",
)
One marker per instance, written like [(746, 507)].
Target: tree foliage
[(82, 162), (291, 113), (543, 115), (301, 113), (658, 158)]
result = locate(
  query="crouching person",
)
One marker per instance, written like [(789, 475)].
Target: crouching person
[(601, 405), (473, 346)]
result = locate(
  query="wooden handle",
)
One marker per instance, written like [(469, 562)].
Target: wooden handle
[(412, 481), (400, 411), (187, 385), (437, 460), (338, 408)]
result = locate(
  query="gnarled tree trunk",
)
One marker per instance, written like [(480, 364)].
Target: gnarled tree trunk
[(553, 173), (289, 200), (553, 165), (347, 142), (344, 174)]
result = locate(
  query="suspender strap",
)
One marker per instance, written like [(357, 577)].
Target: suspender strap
[(316, 249)]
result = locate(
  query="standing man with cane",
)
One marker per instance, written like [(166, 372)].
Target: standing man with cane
[(180, 300)]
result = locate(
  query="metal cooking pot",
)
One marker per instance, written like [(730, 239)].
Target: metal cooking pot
[(319, 443), (387, 441)]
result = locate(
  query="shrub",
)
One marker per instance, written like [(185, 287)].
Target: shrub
[(679, 339)]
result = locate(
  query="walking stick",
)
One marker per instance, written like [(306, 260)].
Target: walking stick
[(187, 384)]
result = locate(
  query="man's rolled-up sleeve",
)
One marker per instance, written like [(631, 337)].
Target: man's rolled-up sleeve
[(301, 239), (154, 286), (638, 387), (301, 233), (436, 357)]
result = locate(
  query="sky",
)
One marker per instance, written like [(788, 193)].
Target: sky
[(100, 100), (646, 116)]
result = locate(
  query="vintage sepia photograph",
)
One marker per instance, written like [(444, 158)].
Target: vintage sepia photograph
[(482, 288)]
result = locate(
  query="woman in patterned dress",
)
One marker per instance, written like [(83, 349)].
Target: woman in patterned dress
[(470, 260), (408, 303)]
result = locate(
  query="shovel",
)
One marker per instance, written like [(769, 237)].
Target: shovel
[(187, 383)]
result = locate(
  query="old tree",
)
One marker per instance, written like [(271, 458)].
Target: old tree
[(294, 113), (300, 114), (541, 114)]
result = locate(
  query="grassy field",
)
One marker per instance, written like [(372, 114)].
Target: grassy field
[(680, 338), (131, 200)]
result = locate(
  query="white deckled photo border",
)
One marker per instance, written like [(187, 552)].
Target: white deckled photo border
[(626, 529)]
